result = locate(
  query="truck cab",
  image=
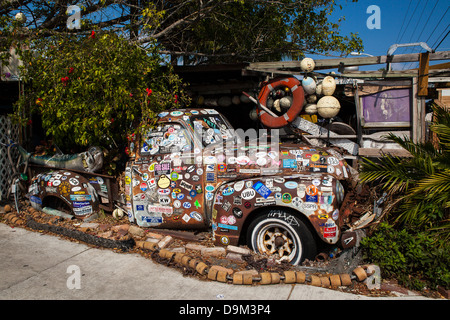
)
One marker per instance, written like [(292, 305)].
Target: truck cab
[(192, 170)]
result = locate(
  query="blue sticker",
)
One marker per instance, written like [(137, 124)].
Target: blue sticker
[(311, 198), (36, 200), (225, 226), (151, 219), (262, 189), (139, 207), (289, 163)]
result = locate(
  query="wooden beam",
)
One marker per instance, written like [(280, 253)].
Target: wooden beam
[(273, 67), (423, 74)]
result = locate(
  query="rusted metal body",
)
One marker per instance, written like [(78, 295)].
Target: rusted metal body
[(192, 171)]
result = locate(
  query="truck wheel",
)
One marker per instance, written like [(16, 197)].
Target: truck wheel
[(280, 233)]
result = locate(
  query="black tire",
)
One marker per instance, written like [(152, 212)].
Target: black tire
[(280, 232)]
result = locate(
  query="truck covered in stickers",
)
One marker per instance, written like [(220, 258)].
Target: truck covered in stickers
[(194, 171)]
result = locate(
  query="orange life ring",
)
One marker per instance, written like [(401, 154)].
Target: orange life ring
[(298, 96)]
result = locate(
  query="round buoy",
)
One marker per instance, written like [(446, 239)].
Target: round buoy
[(309, 85), (224, 101), (311, 108), (200, 100), (328, 86), (286, 102), (312, 98), (117, 214), (328, 107), (319, 89), (235, 100), (307, 65), (20, 17)]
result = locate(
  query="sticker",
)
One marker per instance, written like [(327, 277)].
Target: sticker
[(286, 198), (226, 205), (239, 185), (315, 157), (186, 205), (162, 168), (335, 214), (237, 212), (160, 209), (186, 186), (226, 226), (248, 194), (163, 182), (176, 204), (289, 163), (186, 218), (297, 202), (56, 183), (333, 161), (164, 200), (74, 181), (311, 190), (224, 240), (261, 189), (291, 185), (197, 216), (309, 206), (228, 191), (174, 176), (311, 198)]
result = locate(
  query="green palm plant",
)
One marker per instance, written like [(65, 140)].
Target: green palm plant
[(421, 182)]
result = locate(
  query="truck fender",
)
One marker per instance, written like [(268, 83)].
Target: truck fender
[(72, 188)]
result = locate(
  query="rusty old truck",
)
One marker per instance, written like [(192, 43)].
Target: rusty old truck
[(194, 171)]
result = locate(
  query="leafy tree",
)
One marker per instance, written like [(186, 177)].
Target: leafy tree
[(94, 90), (421, 182), (208, 31)]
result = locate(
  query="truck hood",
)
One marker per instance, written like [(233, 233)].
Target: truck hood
[(256, 157)]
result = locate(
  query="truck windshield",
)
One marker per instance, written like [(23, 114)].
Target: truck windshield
[(166, 138), (211, 129)]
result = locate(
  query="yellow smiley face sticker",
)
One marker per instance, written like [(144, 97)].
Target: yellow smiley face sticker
[(315, 157)]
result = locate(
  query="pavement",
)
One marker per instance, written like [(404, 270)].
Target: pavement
[(37, 266)]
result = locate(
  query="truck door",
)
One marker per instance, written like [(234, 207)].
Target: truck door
[(167, 182)]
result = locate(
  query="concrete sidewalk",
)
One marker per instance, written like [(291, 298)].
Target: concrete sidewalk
[(42, 267)]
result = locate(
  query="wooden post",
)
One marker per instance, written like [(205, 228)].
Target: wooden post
[(424, 60)]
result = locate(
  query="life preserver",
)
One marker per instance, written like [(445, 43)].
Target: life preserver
[(298, 96)]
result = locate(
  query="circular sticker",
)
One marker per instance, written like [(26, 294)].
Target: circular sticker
[(224, 240), (163, 182), (311, 190), (315, 157), (286, 198)]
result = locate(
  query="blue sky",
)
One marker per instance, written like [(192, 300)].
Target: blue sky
[(401, 21)]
